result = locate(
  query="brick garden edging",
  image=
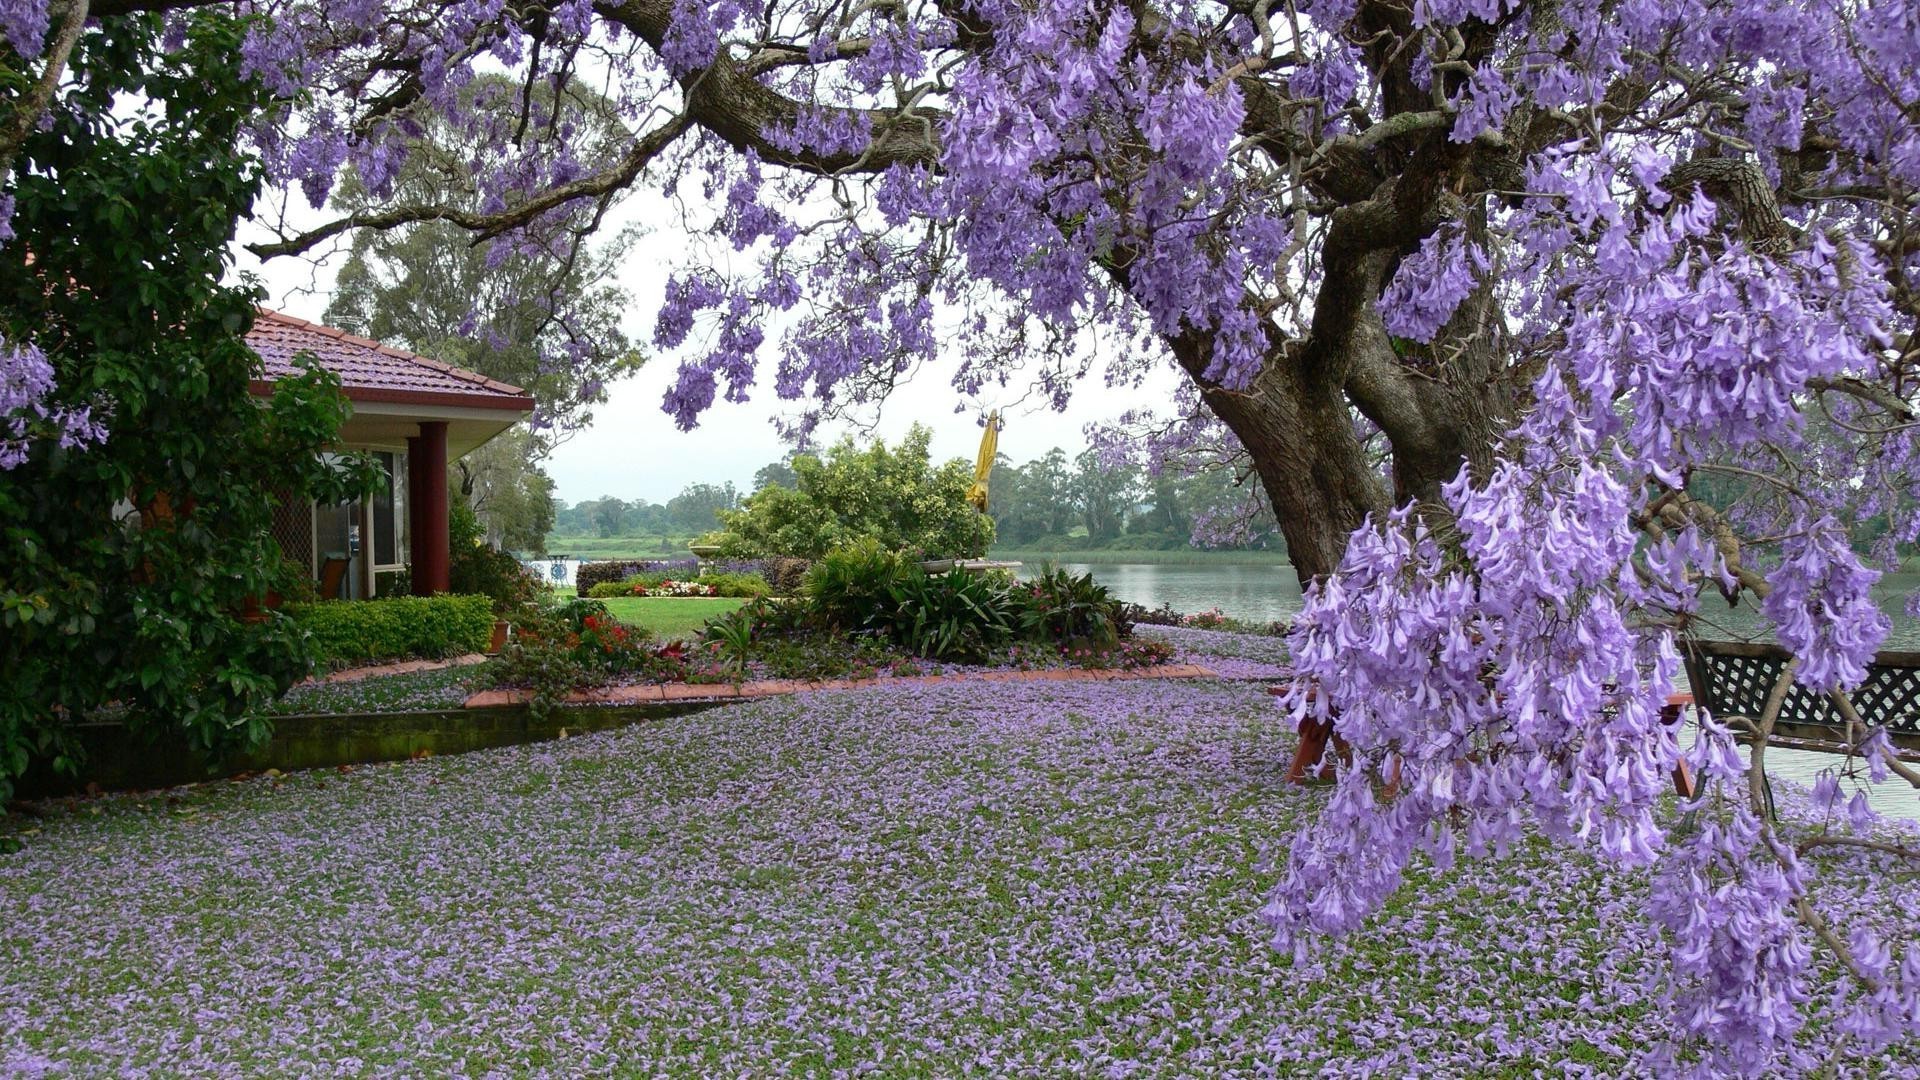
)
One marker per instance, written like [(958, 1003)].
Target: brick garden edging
[(653, 692)]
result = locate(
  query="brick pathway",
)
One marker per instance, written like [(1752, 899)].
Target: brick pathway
[(642, 695)]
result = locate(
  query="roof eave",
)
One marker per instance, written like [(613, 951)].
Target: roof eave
[(443, 399)]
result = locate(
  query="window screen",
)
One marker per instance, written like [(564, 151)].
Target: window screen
[(386, 544)]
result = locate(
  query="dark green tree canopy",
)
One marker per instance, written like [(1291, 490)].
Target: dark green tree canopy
[(894, 495), (126, 559)]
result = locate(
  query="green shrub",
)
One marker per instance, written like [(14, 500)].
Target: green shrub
[(895, 495), (475, 567), (852, 587), (786, 576), (594, 573), (746, 586), (1064, 608), (958, 615), (426, 627)]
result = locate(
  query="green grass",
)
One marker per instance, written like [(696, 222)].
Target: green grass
[(1184, 557), (670, 616)]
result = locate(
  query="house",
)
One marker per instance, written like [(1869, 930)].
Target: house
[(414, 414)]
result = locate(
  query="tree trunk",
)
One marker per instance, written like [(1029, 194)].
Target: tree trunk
[(1313, 467)]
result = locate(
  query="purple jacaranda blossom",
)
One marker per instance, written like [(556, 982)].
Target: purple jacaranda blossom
[(27, 412)]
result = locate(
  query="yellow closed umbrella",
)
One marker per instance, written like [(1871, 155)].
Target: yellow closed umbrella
[(983, 468)]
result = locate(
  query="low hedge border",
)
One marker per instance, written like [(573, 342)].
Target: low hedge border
[(395, 628)]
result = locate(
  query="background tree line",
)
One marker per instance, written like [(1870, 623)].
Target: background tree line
[(1051, 503)]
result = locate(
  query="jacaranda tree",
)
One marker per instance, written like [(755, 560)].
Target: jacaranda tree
[(1491, 293)]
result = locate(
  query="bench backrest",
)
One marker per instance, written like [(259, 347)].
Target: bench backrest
[(1732, 678)]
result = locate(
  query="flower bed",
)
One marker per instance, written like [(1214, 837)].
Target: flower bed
[(1016, 880), (675, 588), (865, 613)]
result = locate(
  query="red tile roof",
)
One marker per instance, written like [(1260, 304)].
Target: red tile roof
[(372, 372)]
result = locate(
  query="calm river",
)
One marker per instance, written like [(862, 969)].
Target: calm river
[(1268, 593)]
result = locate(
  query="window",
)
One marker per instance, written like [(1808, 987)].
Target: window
[(386, 537)]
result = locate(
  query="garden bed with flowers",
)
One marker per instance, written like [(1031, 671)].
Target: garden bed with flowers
[(999, 880), (863, 614)]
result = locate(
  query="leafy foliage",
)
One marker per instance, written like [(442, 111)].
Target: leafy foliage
[(475, 566), (958, 615), (127, 559), (1067, 608), (423, 627), (893, 496), (851, 589)]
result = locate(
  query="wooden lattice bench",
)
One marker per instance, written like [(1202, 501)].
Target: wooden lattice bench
[(1734, 678)]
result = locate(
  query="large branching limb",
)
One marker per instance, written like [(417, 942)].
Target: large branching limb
[(25, 116), (725, 99), (486, 225), (1866, 391), (1858, 843), (1857, 733), (1740, 185)]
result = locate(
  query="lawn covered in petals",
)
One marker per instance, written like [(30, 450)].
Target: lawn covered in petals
[(997, 880)]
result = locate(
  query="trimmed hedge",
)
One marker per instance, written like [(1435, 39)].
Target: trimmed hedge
[(399, 627), (599, 573), (782, 574)]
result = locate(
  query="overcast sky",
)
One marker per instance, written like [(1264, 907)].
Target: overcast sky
[(632, 449)]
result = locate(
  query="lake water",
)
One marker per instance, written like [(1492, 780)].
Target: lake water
[(1269, 593)]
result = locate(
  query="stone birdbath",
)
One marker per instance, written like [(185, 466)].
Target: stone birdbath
[(704, 552)]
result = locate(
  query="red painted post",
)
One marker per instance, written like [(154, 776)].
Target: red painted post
[(1677, 705), (427, 509)]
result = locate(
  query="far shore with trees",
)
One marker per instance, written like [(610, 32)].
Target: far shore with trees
[(1072, 509)]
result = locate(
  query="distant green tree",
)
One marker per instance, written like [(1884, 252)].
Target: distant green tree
[(1104, 495), (513, 501), (1031, 501), (1227, 509), (568, 519), (776, 474), (607, 515), (896, 496), (127, 559), (698, 507)]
